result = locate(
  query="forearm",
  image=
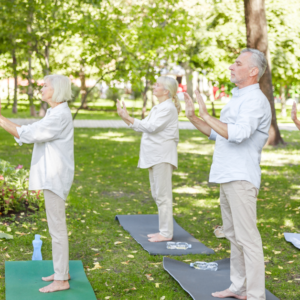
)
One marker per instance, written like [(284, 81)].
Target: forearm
[(128, 120), (200, 125), (9, 126), (218, 126), (297, 123)]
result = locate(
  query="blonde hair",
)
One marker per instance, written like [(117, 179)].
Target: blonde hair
[(62, 87), (171, 85)]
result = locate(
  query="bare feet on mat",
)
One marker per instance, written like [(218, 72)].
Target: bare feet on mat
[(55, 286), (51, 278), (159, 238), (227, 293), (152, 234)]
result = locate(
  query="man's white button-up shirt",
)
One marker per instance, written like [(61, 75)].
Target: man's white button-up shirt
[(248, 115), (160, 135), (52, 163)]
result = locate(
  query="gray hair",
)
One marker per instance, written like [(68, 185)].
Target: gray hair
[(258, 60), (61, 86)]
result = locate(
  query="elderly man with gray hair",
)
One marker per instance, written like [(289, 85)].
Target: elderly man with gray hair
[(52, 168), (240, 136)]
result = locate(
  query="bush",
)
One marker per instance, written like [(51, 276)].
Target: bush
[(14, 194)]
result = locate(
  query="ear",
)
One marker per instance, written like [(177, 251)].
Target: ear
[(254, 72)]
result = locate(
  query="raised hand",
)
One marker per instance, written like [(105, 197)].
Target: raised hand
[(202, 107), (294, 112), (122, 112), (189, 106)]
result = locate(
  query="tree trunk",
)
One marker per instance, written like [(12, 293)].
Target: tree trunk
[(83, 85), (189, 79), (257, 38), (30, 87), (44, 105), (14, 65), (283, 101), (145, 98)]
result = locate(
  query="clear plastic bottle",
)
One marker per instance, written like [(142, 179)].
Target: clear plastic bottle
[(213, 266), (37, 246), (199, 265), (178, 245), (202, 265)]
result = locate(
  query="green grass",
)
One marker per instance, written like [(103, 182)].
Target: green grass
[(104, 109), (107, 183)]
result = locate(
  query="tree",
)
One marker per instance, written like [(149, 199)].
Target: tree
[(257, 38)]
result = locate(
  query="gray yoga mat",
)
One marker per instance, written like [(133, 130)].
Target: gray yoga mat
[(140, 225), (200, 284), (293, 238)]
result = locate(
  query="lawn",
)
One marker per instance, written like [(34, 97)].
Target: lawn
[(107, 183), (104, 109)]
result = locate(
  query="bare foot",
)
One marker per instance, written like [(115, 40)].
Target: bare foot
[(55, 286), (159, 238), (227, 293), (152, 234), (51, 278)]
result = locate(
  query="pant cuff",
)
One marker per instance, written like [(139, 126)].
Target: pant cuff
[(167, 236), (61, 276), (239, 293)]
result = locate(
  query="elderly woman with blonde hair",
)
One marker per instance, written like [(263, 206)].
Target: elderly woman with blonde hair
[(158, 150), (52, 168)]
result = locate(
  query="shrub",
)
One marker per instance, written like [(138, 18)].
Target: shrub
[(14, 194)]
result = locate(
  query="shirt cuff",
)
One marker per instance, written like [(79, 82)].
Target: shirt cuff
[(213, 135), (19, 130), (231, 133), (135, 124)]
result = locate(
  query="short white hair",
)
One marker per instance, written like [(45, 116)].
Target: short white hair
[(62, 87), (258, 60)]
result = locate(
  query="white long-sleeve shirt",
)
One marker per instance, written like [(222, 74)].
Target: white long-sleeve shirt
[(160, 135), (52, 163), (248, 115)]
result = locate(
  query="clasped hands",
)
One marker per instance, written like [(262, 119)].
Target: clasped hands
[(190, 107)]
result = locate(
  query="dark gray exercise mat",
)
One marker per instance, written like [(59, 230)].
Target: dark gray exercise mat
[(200, 284), (140, 225)]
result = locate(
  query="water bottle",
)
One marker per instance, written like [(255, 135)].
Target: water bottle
[(37, 245), (178, 245), (212, 266), (199, 265), (202, 265)]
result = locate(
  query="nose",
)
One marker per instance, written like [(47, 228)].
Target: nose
[(230, 67)]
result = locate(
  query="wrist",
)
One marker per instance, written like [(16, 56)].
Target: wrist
[(206, 117)]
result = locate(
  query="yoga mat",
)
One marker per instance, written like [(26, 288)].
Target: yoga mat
[(200, 284), (293, 238), (23, 281), (141, 225)]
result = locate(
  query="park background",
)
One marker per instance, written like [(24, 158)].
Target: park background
[(116, 49)]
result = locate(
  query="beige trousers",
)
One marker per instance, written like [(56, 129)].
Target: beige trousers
[(247, 269), (160, 176), (56, 217)]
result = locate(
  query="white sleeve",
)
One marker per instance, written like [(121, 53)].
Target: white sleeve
[(45, 130), (157, 122)]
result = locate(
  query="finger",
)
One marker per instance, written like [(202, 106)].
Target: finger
[(124, 106), (186, 97)]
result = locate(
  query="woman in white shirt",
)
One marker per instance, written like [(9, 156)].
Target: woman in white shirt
[(52, 168), (158, 151)]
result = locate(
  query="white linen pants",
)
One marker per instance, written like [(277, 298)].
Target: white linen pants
[(160, 176), (56, 217), (247, 269)]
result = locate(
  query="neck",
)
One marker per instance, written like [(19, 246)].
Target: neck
[(162, 98), (244, 84), (54, 104)]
